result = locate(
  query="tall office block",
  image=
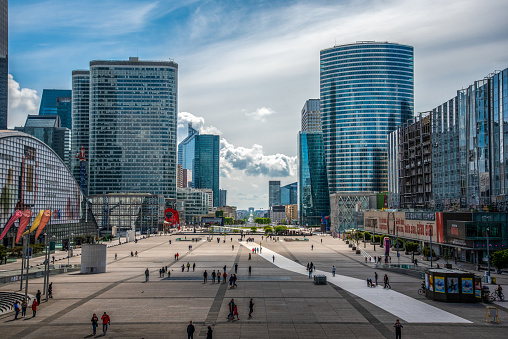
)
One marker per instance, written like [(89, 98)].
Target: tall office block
[(206, 165), (57, 102), (133, 116), (366, 92), (314, 199), (311, 116), (289, 194), (222, 198), (80, 124), (274, 197), (4, 62), (199, 155)]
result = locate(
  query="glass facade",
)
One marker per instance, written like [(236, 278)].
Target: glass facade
[(191, 204), (311, 116), (366, 92), (57, 102), (289, 194), (4, 63), (200, 154), (133, 116), (206, 165), (469, 148), (33, 177), (143, 213), (80, 125), (314, 199), (274, 197)]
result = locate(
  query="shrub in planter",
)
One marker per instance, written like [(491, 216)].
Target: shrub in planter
[(426, 252), (368, 236), (411, 246)]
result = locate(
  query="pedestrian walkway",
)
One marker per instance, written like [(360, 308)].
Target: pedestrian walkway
[(398, 304)]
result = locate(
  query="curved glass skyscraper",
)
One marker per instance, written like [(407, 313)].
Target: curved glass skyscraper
[(366, 92)]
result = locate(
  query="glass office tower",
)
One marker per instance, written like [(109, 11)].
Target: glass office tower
[(206, 165), (366, 92), (314, 198), (133, 116), (80, 124), (57, 102), (311, 115), (274, 196), (4, 63), (289, 194)]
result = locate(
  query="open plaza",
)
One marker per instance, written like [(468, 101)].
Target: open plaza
[(287, 303)]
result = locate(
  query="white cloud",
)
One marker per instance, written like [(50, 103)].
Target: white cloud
[(22, 101), (198, 123), (253, 162), (260, 114)]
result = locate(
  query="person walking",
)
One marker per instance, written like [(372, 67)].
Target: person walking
[(387, 282), (16, 309), (308, 265), (183, 267), (188, 266), (310, 272), (160, 272), (218, 277), (213, 277), (53, 259), (224, 277), (234, 280), (193, 267), (224, 268), (190, 330), (38, 296), (273, 258), (251, 307), (375, 277), (312, 247), (235, 312), (398, 329), (333, 271), (24, 305), (250, 271), (231, 280), (106, 321), (209, 333), (136, 253), (116, 256), (205, 277), (147, 275), (95, 323), (236, 267), (50, 290), (231, 306), (34, 308)]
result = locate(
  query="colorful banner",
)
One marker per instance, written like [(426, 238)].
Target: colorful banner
[(45, 219), (23, 223), (11, 221), (36, 222)]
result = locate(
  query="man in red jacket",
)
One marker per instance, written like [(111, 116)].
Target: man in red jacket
[(34, 307), (105, 322)]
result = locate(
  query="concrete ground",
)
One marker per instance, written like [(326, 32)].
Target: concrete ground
[(287, 304)]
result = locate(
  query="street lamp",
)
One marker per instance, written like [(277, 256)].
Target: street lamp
[(431, 229), (488, 250), (69, 249), (374, 233)]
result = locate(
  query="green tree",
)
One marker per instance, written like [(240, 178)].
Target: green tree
[(254, 229), (280, 228), (426, 252), (500, 259), (268, 229), (228, 221), (3, 252)]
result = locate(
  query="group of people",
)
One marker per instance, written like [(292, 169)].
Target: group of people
[(23, 307), (385, 280), (311, 268), (132, 254), (177, 256), (106, 321)]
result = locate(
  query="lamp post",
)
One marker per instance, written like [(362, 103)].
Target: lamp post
[(430, 244), (374, 233), (488, 249), (69, 248)]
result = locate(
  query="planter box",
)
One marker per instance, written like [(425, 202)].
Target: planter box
[(448, 266), (359, 252), (347, 241), (350, 245), (353, 248)]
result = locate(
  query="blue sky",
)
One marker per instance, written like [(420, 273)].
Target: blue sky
[(247, 67)]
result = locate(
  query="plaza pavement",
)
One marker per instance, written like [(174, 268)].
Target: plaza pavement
[(287, 303)]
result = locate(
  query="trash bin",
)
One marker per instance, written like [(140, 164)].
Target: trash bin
[(493, 280), (320, 279)]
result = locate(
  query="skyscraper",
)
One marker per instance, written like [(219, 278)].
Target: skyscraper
[(80, 135), (133, 115), (57, 102), (366, 92), (4, 62), (312, 178), (274, 197), (311, 116), (289, 194), (222, 198), (200, 155)]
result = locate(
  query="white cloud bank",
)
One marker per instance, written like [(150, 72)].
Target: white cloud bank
[(22, 102)]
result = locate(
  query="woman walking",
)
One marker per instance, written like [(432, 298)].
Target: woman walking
[(95, 323)]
